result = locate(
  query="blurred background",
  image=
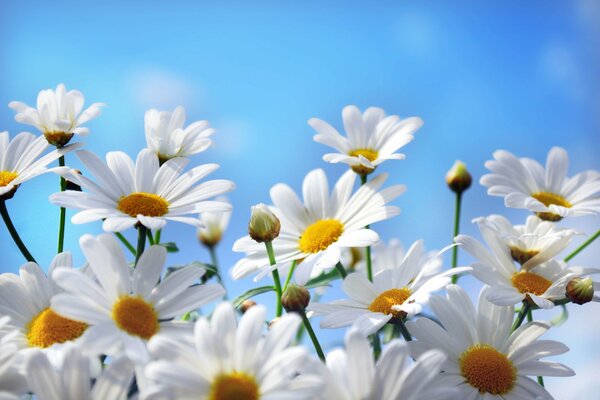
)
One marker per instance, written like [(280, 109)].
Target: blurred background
[(482, 75)]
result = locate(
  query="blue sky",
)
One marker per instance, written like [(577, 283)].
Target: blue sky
[(482, 75)]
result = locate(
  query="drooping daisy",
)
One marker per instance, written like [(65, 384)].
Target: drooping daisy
[(126, 194), (125, 308), (316, 231), (371, 138), (214, 225), (73, 379), (12, 382), (58, 114), (548, 192), (225, 360), (486, 360), (395, 293), (166, 136)]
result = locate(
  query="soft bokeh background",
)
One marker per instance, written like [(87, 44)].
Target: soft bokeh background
[(483, 75)]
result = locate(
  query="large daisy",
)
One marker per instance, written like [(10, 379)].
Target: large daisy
[(485, 360), (166, 136), (315, 231), (58, 114), (126, 307), (144, 192), (548, 192), (371, 138), (229, 361)]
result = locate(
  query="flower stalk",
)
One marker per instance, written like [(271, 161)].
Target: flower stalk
[(63, 211), (276, 279)]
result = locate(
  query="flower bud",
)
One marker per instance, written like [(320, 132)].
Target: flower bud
[(246, 305), (264, 226), (295, 298), (458, 178), (580, 290), (58, 139)]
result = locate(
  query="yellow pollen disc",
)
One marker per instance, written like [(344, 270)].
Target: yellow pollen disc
[(548, 199), (7, 177), (522, 256), (234, 386), (318, 236), (369, 154), (384, 302), (48, 328), (488, 370), (147, 204), (135, 316), (528, 282)]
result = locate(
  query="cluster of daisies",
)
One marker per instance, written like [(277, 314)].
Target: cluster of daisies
[(126, 326)]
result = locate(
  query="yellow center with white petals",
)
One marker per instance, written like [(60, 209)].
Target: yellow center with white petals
[(320, 235), (528, 282), (522, 255), (48, 328), (146, 204), (369, 154), (487, 370), (135, 316), (549, 199), (393, 297), (234, 386), (7, 177)]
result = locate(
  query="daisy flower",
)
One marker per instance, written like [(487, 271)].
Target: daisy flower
[(125, 308), (58, 114), (548, 192), (12, 383), (395, 293), (166, 136), (316, 231), (144, 192), (229, 361), (214, 225), (485, 360), (371, 139), (73, 380)]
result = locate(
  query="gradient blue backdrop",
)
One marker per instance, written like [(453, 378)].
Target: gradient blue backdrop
[(483, 76)]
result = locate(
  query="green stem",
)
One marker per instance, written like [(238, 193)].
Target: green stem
[(404, 330), (13, 232), (583, 246), (376, 345), (289, 275), (150, 237), (276, 278), (63, 211), (141, 243), (363, 180), (125, 242), (341, 270), (157, 236), (456, 230), (215, 263), (312, 335), (529, 319), (521, 316)]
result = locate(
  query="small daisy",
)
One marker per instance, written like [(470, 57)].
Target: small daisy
[(125, 308), (73, 380), (395, 293), (524, 183), (230, 361), (12, 383), (371, 139), (214, 225), (58, 115), (316, 231), (485, 360), (145, 192), (166, 136)]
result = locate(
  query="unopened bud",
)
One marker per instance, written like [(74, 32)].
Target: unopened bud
[(246, 305), (295, 298), (264, 226), (58, 139), (580, 290), (458, 178), (73, 186)]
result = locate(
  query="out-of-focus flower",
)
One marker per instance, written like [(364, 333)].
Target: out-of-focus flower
[(458, 177), (214, 224)]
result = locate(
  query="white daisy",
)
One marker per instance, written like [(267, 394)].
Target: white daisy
[(12, 383), (58, 115), (145, 192), (524, 183), (125, 308), (166, 136), (371, 139), (316, 231), (229, 361), (395, 293), (485, 360), (214, 225), (73, 379)]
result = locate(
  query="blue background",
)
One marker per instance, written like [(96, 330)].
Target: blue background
[(483, 75)]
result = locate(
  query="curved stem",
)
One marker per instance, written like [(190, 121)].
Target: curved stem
[(403, 330), (13, 232), (271, 253), (141, 243), (456, 230), (341, 270), (521, 316), (150, 237), (289, 276), (583, 246), (312, 335), (125, 242), (63, 211)]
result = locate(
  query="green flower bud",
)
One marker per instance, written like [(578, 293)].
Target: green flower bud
[(295, 298), (458, 178), (264, 226), (580, 290)]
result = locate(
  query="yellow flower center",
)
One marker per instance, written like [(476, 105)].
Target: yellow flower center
[(522, 256), (528, 282), (48, 328), (146, 204), (234, 386), (7, 177), (135, 316), (393, 297), (548, 199), (369, 154), (488, 370), (318, 236)]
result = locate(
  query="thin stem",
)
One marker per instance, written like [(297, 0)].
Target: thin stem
[(312, 335), (403, 330), (271, 253), (215, 263), (529, 319), (583, 246), (456, 230), (157, 236), (290, 273), (150, 237), (540, 381), (341, 270), (363, 180), (141, 243), (376, 345), (63, 211), (125, 242), (13, 232), (521, 316)]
